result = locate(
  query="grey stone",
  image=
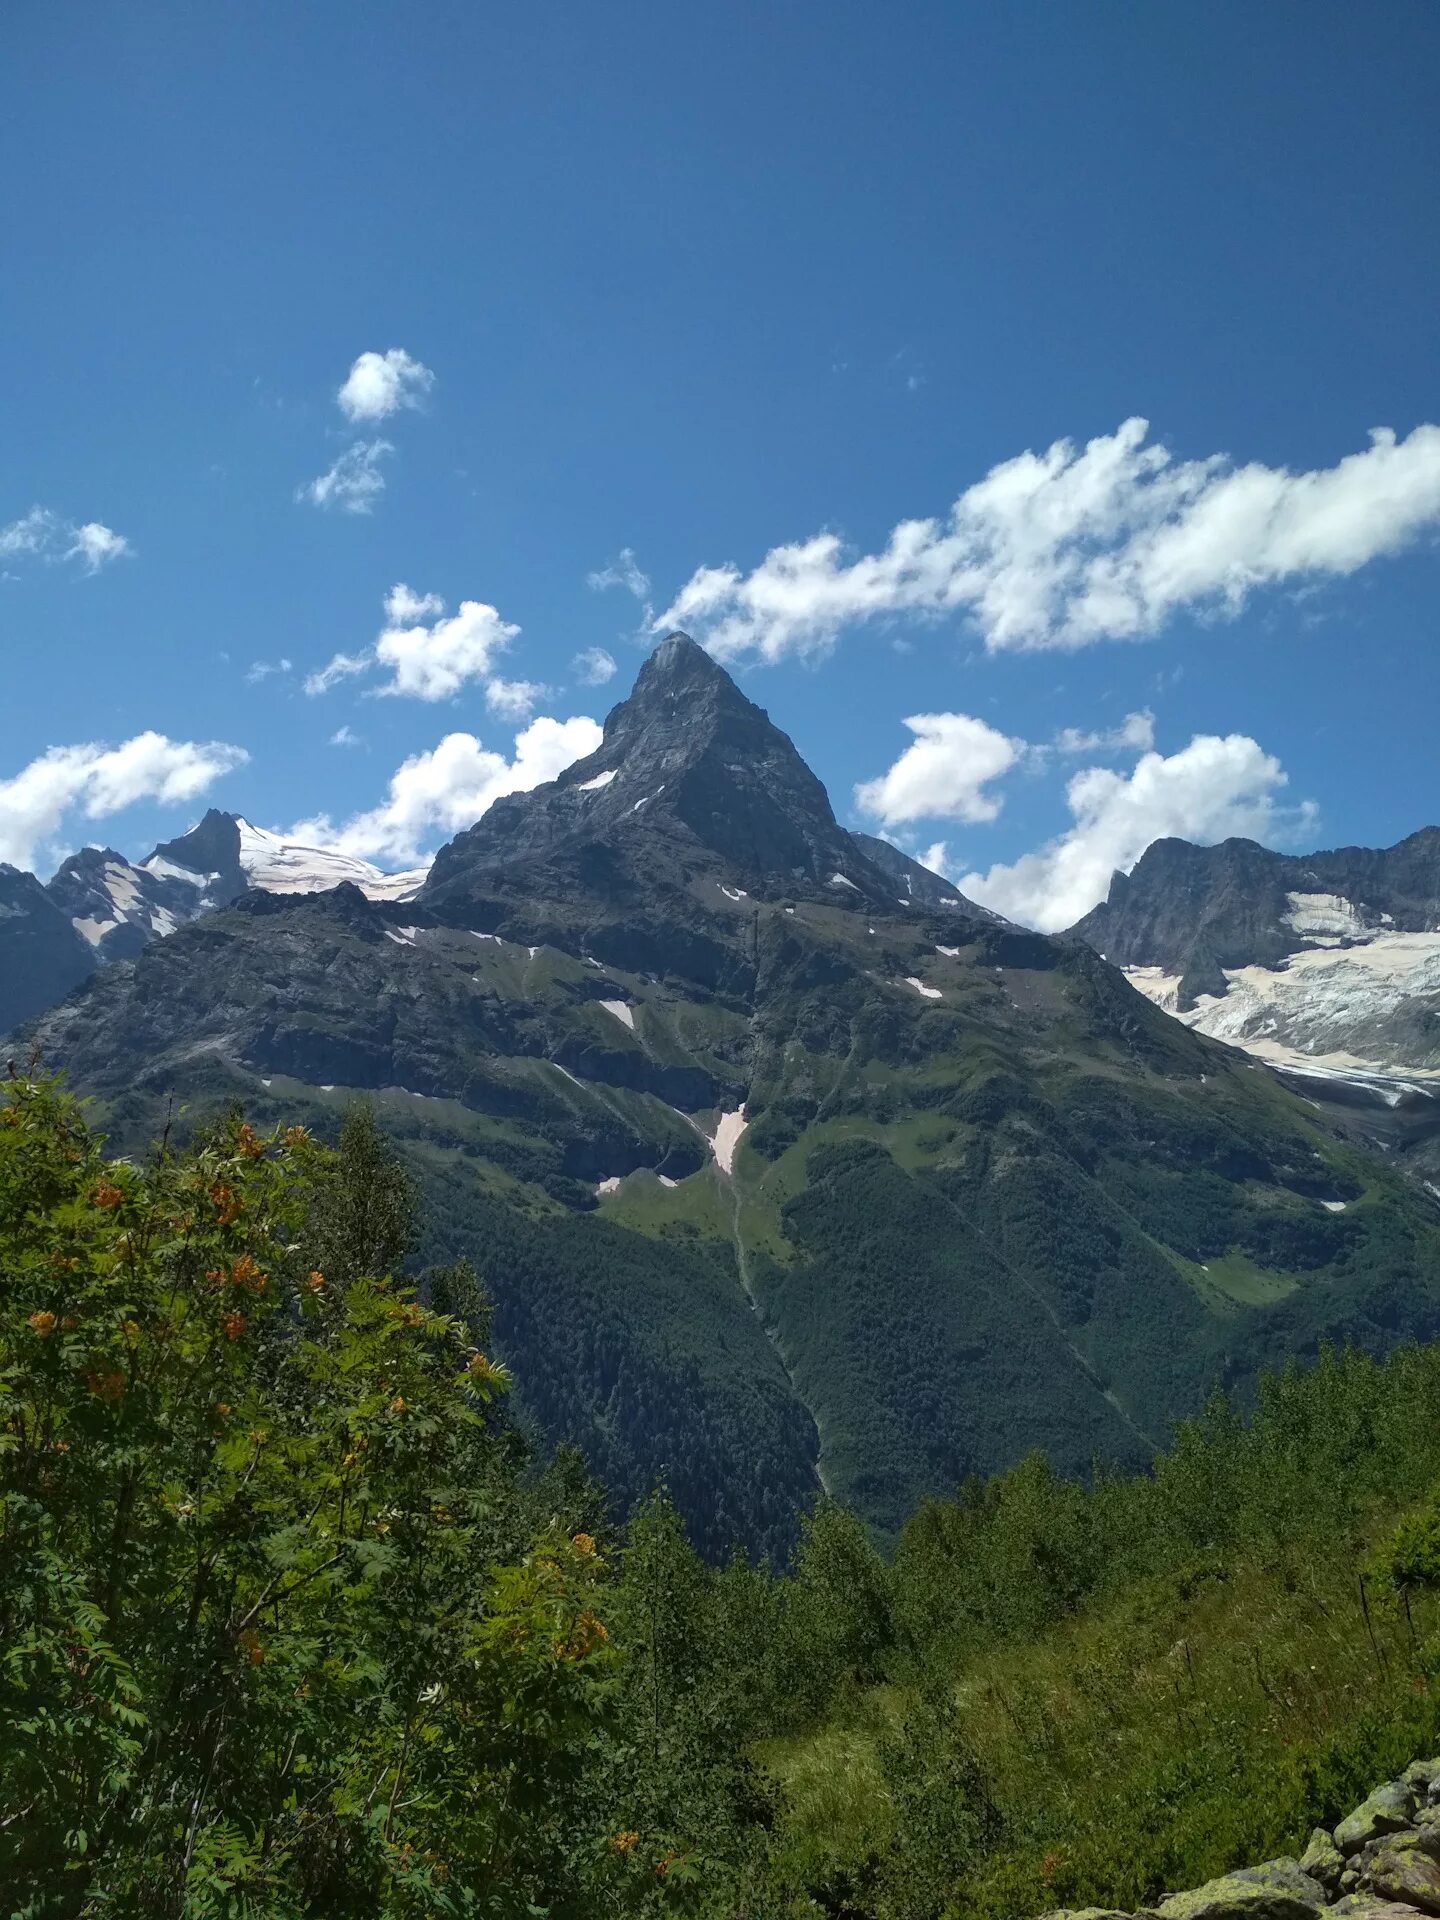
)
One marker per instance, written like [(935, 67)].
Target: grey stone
[(1323, 1861), (1402, 1869), (1389, 1809), (1278, 1890)]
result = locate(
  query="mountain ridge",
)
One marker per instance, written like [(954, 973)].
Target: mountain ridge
[(764, 1170)]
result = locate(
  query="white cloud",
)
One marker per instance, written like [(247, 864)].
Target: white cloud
[(433, 661), (379, 384), (96, 781), (514, 699), (936, 857), (1210, 790), (354, 482), (594, 667), (1135, 732), (1072, 546), (431, 655), (260, 670), (451, 787), (41, 534), (346, 737), (340, 666), (623, 571), (943, 773)]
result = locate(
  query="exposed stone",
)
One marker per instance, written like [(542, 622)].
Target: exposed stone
[(1366, 1906), (1404, 1869), (1323, 1861), (1389, 1809), (1278, 1890)]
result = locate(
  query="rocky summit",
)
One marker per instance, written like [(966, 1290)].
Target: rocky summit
[(786, 1166)]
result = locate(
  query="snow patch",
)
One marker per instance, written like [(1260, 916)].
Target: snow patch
[(1324, 914), (1333, 1206), (734, 893), (600, 780), (164, 869), (839, 880), (930, 993), (488, 936), (121, 887), (950, 953), (402, 936), (666, 1181), (727, 1138), (621, 1011), (95, 930), (612, 1185)]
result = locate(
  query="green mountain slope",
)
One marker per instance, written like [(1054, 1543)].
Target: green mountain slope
[(983, 1196)]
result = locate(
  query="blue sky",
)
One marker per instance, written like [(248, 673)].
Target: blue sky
[(699, 285)]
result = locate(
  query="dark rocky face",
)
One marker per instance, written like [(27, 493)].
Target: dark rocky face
[(42, 957), (1196, 910)]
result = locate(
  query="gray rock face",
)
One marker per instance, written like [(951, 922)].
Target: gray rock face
[(1390, 1809), (1279, 1890), (1195, 910), (692, 789), (42, 957)]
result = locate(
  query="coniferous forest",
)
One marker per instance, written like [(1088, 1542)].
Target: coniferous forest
[(297, 1619)]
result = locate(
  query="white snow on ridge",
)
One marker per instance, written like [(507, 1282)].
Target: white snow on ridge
[(621, 1011), (1323, 1011), (930, 993), (600, 780), (1325, 916), (734, 893), (285, 866), (95, 930), (839, 880), (950, 953), (164, 869)]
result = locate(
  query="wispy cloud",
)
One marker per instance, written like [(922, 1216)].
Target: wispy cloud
[(261, 670), (346, 737), (379, 384), (97, 780), (1076, 545), (450, 787), (594, 667), (42, 534), (623, 571), (1136, 732), (353, 482)]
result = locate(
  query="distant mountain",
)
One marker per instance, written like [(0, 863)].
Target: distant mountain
[(781, 1176), (114, 907), (1322, 962), (42, 957)]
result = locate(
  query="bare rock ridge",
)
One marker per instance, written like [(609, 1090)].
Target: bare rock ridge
[(1195, 911), (1382, 1862), (1325, 965)]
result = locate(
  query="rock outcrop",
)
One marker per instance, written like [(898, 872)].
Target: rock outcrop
[(1382, 1862)]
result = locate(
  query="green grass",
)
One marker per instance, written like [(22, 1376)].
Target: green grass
[(1199, 1722)]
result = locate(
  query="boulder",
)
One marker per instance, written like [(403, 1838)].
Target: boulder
[(1278, 1890), (1404, 1869), (1323, 1861), (1368, 1906), (1390, 1809)]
